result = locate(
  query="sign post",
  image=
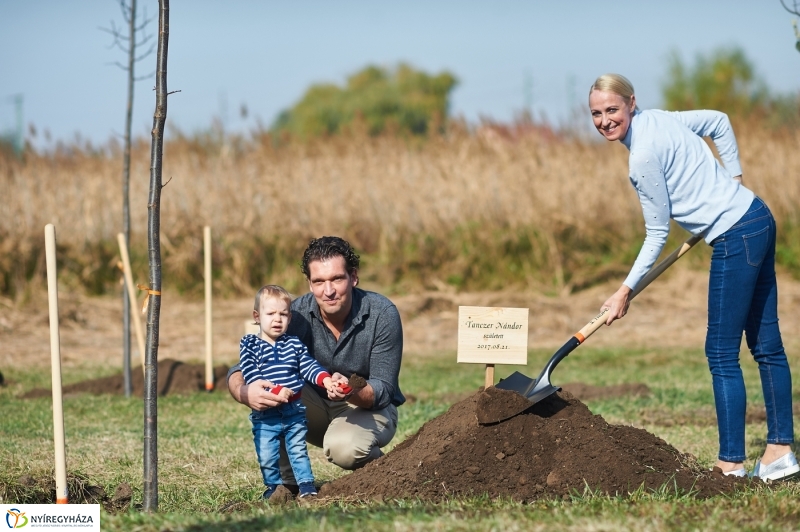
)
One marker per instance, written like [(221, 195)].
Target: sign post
[(492, 335)]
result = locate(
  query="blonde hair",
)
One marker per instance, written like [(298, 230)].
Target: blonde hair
[(616, 83), (271, 290)]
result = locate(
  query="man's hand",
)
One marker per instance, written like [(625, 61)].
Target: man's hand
[(363, 397), (617, 304), (253, 395)]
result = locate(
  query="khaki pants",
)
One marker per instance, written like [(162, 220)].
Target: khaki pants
[(349, 436)]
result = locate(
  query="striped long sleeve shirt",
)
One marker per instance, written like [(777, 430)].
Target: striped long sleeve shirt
[(285, 364)]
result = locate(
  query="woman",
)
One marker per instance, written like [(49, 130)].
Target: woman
[(676, 176)]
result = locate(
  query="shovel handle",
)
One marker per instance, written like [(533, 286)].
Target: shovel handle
[(654, 272)]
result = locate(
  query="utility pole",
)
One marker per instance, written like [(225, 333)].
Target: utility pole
[(19, 136), (527, 94), (572, 113)]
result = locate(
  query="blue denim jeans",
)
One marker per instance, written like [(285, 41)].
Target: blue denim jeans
[(743, 296), (287, 422)]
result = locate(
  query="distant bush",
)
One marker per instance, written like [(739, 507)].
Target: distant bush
[(403, 100), (726, 80)]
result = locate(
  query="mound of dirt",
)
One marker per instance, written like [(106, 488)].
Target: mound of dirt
[(555, 448), (174, 377)]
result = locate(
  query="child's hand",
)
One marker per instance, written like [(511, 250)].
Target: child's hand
[(286, 393), (329, 385), (281, 391)]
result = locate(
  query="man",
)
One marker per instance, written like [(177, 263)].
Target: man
[(348, 331)]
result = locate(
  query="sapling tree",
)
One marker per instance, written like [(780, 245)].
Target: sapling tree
[(793, 8), (150, 496), (131, 39)]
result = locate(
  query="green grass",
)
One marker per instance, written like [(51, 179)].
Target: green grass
[(206, 457)]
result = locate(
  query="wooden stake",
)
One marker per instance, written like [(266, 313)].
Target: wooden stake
[(55, 364), (207, 257), (489, 380), (135, 312)]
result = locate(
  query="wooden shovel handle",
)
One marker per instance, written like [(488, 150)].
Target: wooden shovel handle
[(654, 272)]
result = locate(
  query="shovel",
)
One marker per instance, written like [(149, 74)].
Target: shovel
[(536, 390)]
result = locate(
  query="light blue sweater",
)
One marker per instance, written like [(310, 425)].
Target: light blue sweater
[(676, 176)]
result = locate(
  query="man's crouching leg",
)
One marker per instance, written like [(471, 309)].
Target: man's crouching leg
[(355, 436), (350, 437)]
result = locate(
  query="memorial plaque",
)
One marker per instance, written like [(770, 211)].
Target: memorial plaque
[(493, 335)]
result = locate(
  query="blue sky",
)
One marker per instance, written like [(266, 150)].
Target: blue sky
[(264, 54)]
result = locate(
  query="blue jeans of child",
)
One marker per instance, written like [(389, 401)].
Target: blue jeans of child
[(743, 296), (286, 422)]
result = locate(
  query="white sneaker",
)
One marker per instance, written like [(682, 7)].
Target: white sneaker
[(736, 473), (783, 467)]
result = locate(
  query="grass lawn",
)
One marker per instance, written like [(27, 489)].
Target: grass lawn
[(206, 456)]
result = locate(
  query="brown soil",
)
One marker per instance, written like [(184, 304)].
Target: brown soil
[(494, 405), (671, 313), (541, 453), (174, 377), (28, 490), (702, 416), (554, 449), (587, 392), (356, 381), (491, 409)]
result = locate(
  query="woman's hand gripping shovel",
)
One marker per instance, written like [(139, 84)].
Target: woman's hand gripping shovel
[(536, 390)]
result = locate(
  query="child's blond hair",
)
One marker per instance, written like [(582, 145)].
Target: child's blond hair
[(271, 290)]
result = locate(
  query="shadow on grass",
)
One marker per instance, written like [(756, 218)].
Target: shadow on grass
[(298, 516)]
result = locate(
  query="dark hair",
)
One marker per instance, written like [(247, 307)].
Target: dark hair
[(326, 247)]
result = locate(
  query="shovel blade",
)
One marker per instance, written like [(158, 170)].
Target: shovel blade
[(532, 390), (492, 416), (542, 390), (517, 382)]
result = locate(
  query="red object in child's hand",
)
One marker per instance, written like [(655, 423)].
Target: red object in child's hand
[(345, 388)]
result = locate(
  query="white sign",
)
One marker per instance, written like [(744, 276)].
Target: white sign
[(46, 517)]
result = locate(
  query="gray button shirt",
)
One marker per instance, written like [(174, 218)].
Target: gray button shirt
[(371, 344)]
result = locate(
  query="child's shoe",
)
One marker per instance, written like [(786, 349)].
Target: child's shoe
[(307, 489), (269, 491)]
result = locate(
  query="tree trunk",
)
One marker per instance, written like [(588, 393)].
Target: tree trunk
[(126, 217), (150, 502)]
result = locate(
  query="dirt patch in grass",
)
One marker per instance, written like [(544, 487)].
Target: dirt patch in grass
[(29, 490), (702, 416), (174, 377), (588, 392), (554, 449)]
